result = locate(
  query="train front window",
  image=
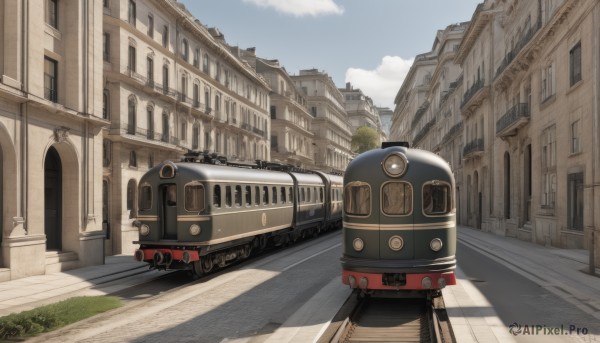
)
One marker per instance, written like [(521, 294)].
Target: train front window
[(437, 198), (194, 197), (396, 198), (171, 195), (145, 197), (357, 200)]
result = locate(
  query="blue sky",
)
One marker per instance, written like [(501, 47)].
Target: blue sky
[(370, 43)]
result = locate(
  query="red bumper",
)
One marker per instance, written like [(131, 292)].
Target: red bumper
[(413, 281), (177, 255)]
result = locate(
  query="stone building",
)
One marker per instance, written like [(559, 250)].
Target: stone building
[(292, 139), (385, 117), (361, 110), (170, 84), (50, 136), (529, 104), (330, 124)]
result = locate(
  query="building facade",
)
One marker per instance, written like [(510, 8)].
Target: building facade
[(330, 121), (170, 85), (50, 136), (360, 110), (528, 99), (292, 139)]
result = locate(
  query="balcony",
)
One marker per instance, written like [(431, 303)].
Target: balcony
[(473, 149), (513, 120), (510, 56), (424, 131), (453, 130)]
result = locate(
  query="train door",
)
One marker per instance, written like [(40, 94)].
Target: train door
[(396, 221), (168, 210)]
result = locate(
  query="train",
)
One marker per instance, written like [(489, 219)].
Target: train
[(399, 221), (206, 212)]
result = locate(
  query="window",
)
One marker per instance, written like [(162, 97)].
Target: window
[(150, 72), (150, 119), (194, 197), (547, 82), (150, 26), (195, 134), (131, 186), (105, 3), (105, 104), (575, 64), (184, 49), (238, 196), (106, 46), (132, 159), (575, 137), (205, 63), (165, 127), (131, 13), (256, 195), (165, 36), (150, 160), (273, 112), (52, 13), (106, 153), (196, 95), (217, 196), (283, 195), (131, 62), (183, 131), (228, 198), (265, 195), (248, 196), (357, 200), (183, 93), (575, 201), (165, 79), (145, 197), (50, 82), (131, 116), (548, 167), (197, 58), (437, 199), (274, 196), (396, 198)]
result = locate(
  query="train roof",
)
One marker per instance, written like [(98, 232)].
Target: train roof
[(223, 173)]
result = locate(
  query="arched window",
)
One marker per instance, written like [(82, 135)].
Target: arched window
[(131, 108), (195, 136), (150, 119), (184, 49), (197, 58), (205, 63), (165, 127), (165, 79), (131, 14)]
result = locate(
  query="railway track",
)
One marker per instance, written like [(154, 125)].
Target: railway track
[(381, 319)]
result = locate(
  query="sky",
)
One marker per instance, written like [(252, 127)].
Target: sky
[(369, 43)]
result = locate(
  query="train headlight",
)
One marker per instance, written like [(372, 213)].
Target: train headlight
[(396, 243), (358, 244), (144, 230), (436, 244), (395, 165), (194, 230)]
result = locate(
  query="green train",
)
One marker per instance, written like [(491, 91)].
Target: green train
[(205, 212), (399, 220)]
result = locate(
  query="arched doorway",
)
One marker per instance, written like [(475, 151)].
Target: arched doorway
[(53, 200)]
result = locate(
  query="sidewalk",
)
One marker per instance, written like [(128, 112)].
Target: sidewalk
[(34, 291), (562, 272)]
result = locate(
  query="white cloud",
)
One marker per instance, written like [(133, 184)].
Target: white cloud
[(300, 8), (383, 83)]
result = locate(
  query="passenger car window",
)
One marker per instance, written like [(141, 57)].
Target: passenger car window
[(396, 198), (248, 196), (358, 199), (228, 196), (437, 199), (194, 198), (217, 196), (238, 195)]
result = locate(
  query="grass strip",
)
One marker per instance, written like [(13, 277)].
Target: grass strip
[(54, 316)]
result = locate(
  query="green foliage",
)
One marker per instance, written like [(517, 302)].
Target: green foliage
[(54, 316), (364, 139)]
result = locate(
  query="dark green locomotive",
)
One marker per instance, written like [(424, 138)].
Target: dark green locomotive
[(204, 213), (399, 230)]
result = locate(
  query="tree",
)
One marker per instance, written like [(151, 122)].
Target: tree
[(364, 139)]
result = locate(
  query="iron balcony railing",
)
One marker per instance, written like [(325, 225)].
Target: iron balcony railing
[(453, 130), (419, 113), (510, 56), (478, 85), (513, 115), (424, 131), (473, 146)]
